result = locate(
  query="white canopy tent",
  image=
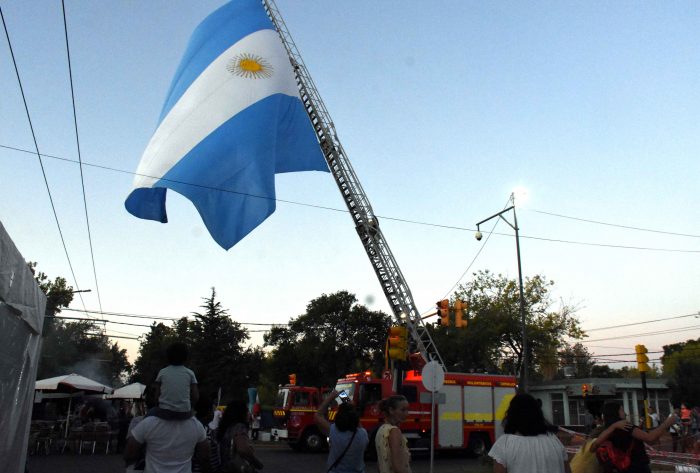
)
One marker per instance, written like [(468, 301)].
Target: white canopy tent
[(130, 391), (71, 384)]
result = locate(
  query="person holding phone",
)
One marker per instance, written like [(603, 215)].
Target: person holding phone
[(346, 439)]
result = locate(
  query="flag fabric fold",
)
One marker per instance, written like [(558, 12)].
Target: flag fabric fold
[(232, 119)]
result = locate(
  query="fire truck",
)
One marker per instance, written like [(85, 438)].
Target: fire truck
[(294, 417), (468, 410)]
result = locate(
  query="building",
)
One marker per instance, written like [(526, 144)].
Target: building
[(573, 402)]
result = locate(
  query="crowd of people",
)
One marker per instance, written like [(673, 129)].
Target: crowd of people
[(172, 437)]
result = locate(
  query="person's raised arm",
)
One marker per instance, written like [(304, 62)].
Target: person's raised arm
[(654, 435), (320, 415), (620, 424)]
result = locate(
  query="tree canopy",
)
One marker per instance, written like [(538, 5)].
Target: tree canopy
[(493, 340), (218, 356), (681, 365), (335, 336), (75, 347)]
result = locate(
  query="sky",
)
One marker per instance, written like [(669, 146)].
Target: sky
[(444, 108)]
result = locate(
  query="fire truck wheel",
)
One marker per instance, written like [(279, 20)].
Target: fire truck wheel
[(313, 441), (478, 444)]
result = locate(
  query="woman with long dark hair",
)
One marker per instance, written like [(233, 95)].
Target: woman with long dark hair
[(624, 436), (347, 440), (528, 445), (232, 436)]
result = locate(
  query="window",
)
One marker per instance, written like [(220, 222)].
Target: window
[(557, 408), (370, 393), (301, 398), (577, 412)]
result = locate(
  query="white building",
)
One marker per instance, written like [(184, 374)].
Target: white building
[(564, 403)]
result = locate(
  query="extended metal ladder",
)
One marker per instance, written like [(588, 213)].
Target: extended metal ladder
[(387, 270)]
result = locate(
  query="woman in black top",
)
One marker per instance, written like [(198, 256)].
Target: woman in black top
[(623, 435)]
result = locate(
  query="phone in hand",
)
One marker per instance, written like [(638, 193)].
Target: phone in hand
[(342, 397)]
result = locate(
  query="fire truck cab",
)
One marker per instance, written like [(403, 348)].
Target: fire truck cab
[(294, 417), (468, 412)]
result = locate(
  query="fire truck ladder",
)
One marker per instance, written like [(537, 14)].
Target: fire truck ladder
[(387, 270)]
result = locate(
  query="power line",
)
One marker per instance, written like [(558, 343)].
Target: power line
[(80, 160), (628, 227), (395, 219), (644, 322), (38, 154), (143, 316), (660, 332)]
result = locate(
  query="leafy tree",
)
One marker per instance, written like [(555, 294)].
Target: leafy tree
[(682, 365), (217, 352), (334, 337), (493, 338), (578, 357), (218, 355), (151, 356), (58, 293), (75, 347)]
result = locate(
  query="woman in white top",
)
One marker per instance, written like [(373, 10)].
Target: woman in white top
[(527, 445)]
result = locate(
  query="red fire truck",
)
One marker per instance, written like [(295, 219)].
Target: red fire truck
[(294, 417), (468, 412)]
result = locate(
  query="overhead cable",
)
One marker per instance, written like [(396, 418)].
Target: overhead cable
[(38, 155), (395, 219), (80, 160)]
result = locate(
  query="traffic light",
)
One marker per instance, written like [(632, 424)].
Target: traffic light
[(443, 311), (584, 390), (293, 379), (398, 342), (642, 358), (460, 314)]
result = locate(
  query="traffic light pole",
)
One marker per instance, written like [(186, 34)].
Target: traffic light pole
[(647, 418)]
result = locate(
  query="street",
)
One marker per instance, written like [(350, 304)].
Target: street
[(276, 457)]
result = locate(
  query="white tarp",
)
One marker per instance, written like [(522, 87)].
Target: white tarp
[(130, 391), (22, 307), (71, 382)]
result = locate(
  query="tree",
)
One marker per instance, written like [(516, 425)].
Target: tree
[(493, 338), (75, 347), (681, 364), (579, 358), (334, 337), (218, 356)]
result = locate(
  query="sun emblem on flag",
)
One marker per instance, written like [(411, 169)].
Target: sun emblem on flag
[(250, 66)]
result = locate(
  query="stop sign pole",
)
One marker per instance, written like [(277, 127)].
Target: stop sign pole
[(433, 378)]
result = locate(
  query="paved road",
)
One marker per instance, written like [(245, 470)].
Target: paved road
[(277, 458)]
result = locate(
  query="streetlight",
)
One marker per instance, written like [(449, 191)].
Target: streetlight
[(514, 226)]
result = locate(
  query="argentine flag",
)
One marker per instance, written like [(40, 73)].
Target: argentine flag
[(231, 120)]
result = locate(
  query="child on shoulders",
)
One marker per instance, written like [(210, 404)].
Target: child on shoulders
[(176, 386)]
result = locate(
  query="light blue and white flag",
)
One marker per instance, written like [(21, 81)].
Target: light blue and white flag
[(231, 120)]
